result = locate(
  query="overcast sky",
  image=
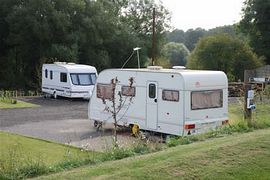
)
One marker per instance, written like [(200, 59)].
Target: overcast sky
[(206, 14)]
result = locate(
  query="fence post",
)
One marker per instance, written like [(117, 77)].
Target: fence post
[(247, 87)]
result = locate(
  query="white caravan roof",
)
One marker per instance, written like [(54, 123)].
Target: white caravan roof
[(193, 79), (73, 68)]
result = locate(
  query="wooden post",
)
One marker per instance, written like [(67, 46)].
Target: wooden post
[(247, 87), (153, 37)]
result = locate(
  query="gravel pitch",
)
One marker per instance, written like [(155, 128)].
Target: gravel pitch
[(59, 120)]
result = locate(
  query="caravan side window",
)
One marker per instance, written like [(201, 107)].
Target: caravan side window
[(51, 74), (128, 91), (206, 99), (63, 77), (104, 91), (46, 73), (170, 95)]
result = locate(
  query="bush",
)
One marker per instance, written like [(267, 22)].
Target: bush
[(174, 141), (117, 153), (12, 168), (8, 100)]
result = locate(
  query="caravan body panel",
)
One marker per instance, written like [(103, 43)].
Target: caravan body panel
[(162, 99)]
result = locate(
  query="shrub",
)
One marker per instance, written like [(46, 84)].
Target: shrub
[(174, 141)]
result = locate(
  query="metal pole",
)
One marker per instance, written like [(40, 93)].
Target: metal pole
[(138, 58), (153, 37)]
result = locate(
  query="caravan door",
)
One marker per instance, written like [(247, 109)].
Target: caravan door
[(152, 105)]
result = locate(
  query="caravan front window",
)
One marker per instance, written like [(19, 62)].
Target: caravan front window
[(83, 79), (128, 91), (206, 99), (104, 91), (93, 78)]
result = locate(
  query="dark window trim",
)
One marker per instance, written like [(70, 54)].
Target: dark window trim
[(46, 73), (154, 94), (51, 74), (63, 77)]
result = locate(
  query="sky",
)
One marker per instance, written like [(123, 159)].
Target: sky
[(207, 14)]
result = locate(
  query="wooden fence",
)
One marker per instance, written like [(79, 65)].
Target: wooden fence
[(19, 93)]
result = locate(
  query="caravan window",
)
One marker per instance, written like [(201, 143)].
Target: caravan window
[(63, 77), (83, 79), (170, 95), (93, 78), (206, 99), (51, 74), (128, 91), (104, 91), (46, 73), (152, 91), (74, 79)]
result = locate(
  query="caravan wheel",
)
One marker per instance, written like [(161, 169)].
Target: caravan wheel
[(54, 95), (135, 130), (98, 125)]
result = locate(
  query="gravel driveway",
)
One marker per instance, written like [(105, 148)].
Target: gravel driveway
[(59, 120), (63, 121), (50, 109)]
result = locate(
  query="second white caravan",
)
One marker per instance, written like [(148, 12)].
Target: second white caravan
[(68, 80), (171, 101)]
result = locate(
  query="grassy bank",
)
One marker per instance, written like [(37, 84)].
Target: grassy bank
[(18, 104), (226, 152), (233, 152), (260, 116), (26, 157), (243, 156)]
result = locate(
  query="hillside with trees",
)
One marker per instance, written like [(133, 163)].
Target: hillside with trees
[(101, 33)]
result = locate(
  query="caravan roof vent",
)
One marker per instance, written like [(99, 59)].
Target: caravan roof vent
[(179, 67), (60, 62), (154, 67), (71, 63)]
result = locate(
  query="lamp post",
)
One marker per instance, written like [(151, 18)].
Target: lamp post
[(137, 49)]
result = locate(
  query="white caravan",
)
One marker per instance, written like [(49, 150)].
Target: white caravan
[(68, 80), (171, 101)]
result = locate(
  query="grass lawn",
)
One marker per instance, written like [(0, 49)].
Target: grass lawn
[(50, 153), (19, 104), (243, 156), (20, 152), (261, 115), (236, 156)]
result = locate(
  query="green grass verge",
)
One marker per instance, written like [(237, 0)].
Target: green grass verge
[(260, 116), (19, 104), (22, 155), (243, 156)]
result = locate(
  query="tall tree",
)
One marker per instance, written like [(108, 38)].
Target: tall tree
[(255, 24), (192, 36), (177, 53), (102, 33), (176, 35), (222, 52), (137, 15)]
